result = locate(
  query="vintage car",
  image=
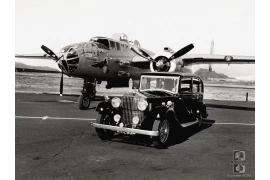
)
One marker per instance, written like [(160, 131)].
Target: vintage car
[(165, 103)]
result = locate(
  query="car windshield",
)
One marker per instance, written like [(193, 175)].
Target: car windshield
[(159, 83)]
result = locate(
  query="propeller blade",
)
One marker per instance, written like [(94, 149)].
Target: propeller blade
[(61, 85), (181, 52), (141, 53), (49, 52)]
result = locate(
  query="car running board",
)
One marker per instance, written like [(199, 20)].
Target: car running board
[(189, 123)]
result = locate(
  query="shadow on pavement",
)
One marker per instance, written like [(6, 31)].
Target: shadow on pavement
[(187, 132), (180, 137)]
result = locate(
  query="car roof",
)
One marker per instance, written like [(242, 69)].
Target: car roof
[(171, 74)]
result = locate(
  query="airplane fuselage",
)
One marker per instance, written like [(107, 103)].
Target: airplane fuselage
[(104, 59)]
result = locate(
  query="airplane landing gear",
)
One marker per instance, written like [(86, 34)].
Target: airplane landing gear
[(88, 93)]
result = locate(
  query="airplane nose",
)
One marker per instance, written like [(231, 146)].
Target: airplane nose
[(70, 61)]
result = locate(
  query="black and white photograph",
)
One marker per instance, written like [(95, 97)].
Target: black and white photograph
[(134, 89)]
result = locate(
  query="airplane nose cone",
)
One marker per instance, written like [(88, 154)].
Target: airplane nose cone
[(70, 61)]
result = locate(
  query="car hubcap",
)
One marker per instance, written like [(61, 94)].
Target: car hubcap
[(164, 131)]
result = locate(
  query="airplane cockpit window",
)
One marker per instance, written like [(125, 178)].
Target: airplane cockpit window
[(65, 49), (112, 45), (99, 45), (118, 46), (104, 42)]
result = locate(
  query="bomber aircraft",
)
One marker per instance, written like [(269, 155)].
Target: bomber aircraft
[(120, 61)]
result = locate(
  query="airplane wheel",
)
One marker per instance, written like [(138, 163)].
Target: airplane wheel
[(84, 102)]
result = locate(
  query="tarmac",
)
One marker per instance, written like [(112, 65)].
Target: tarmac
[(55, 140)]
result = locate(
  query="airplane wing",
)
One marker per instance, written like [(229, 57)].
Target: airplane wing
[(140, 62), (34, 56), (190, 59)]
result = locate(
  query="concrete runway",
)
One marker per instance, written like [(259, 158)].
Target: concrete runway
[(54, 140)]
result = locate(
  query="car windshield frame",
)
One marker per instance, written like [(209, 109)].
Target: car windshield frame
[(176, 86)]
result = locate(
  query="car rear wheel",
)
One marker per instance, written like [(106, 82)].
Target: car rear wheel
[(200, 119), (104, 134), (164, 129)]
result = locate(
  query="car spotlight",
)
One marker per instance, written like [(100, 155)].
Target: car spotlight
[(169, 103), (106, 98), (116, 102), (116, 118)]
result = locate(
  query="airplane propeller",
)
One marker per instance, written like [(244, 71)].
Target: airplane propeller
[(50, 53), (61, 84), (141, 53), (56, 58), (162, 63), (180, 53)]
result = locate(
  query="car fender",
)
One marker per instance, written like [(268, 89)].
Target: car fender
[(104, 108), (155, 114), (171, 116), (202, 107)]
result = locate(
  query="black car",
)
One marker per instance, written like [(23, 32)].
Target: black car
[(164, 104)]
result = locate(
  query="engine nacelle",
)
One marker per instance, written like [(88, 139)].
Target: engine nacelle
[(159, 66)]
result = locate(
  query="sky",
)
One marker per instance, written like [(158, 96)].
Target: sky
[(155, 24)]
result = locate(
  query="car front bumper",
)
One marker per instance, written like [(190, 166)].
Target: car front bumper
[(128, 130)]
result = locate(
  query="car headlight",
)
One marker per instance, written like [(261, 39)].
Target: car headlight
[(116, 102), (142, 104), (116, 118)]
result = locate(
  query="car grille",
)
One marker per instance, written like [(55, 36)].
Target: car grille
[(130, 110)]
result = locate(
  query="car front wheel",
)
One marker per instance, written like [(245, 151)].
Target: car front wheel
[(104, 134), (162, 141)]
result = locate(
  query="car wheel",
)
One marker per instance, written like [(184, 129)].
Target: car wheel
[(104, 134), (165, 130), (84, 102), (200, 119)]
